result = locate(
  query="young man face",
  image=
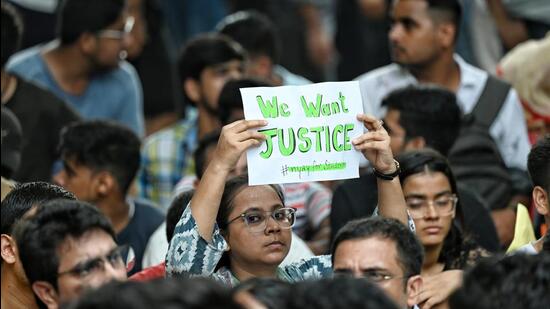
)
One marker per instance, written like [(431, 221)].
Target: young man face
[(81, 180), (376, 259), (87, 262), (414, 37), (207, 89)]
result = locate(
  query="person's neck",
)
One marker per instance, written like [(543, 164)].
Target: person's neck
[(431, 256), (117, 210), (207, 122), (244, 273), (444, 72), (73, 78), (15, 294)]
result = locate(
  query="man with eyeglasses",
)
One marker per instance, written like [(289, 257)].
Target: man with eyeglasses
[(85, 65), (383, 251), (66, 248)]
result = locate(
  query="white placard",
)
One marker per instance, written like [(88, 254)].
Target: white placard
[(309, 132)]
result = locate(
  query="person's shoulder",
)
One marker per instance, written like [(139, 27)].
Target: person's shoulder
[(148, 209), (171, 134), (44, 100), (388, 71), (26, 63)]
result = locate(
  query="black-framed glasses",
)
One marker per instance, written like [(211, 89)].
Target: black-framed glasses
[(118, 34), (371, 275), (96, 265), (256, 220), (418, 207)]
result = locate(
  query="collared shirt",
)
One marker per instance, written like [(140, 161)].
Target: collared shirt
[(509, 129), (190, 253), (165, 158)]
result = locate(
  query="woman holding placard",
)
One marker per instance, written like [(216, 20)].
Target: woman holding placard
[(227, 231)]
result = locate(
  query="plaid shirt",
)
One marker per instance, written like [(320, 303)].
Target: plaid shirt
[(166, 157)]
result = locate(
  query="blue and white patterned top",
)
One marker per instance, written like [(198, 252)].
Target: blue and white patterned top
[(190, 253)]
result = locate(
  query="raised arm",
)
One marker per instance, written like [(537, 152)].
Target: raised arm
[(235, 138), (375, 146)]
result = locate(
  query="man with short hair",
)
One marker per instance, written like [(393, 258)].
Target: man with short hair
[(100, 161), (19, 203), (423, 37), (205, 64), (538, 164), (85, 66), (417, 117), (384, 251), (66, 248), (258, 35), (40, 113)]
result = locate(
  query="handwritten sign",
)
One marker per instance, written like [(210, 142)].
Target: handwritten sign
[(309, 132)]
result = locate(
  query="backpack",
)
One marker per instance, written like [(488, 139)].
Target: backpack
[(475, 158)]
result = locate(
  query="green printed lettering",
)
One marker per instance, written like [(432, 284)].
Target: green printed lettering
[(327, 139), (310, 109), (338, 129), (348, 127), (269, 109), (342, 102), (325, 110), (269, 133), (284, 110), (306, 146), (317, 131), (284, 149), (335, 107)]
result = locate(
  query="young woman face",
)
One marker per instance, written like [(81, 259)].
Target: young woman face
[(259, 242), (432, 204)]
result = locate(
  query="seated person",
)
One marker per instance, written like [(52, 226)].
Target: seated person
[(66, 248), (228, 222), (100, 161), (431, 195), (381, 250)]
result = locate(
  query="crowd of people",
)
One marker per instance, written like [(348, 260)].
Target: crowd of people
[(138, 196)]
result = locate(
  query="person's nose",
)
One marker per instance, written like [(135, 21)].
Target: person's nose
[(271, 226), (395, 33), (59, 178), (430, 211)]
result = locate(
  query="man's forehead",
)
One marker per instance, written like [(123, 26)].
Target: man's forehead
[(409, 8), (92, 243)]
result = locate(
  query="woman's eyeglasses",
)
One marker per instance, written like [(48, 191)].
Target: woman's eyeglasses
[(419, 207), (256, 220)]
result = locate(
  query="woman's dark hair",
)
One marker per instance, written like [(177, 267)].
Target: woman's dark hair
[(456, 246), (234, 186)]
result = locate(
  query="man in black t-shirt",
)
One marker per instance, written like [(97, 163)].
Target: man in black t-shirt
[(41, 114)]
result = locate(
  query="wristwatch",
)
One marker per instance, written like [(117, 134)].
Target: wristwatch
[(390, 176)]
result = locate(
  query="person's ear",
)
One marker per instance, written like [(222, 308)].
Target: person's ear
[(192, 89), (46, 293), (87, 43), (414, 286), (541, 201), (8, 249), (415, 143), (105, 183), (446, 33)]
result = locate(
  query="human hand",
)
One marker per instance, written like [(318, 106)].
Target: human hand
[(436, 289), (236, 138), (375, 144)]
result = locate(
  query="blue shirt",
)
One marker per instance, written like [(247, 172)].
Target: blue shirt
[(114, 95)]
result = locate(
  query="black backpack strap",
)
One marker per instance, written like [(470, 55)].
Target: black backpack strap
[(491, 101)]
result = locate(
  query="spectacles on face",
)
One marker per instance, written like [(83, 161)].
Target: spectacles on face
[(371, 275), (94, 266), (118, 34), (419, 207), (256, 220)]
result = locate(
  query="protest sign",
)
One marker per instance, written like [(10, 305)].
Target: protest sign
[(309, 132)]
